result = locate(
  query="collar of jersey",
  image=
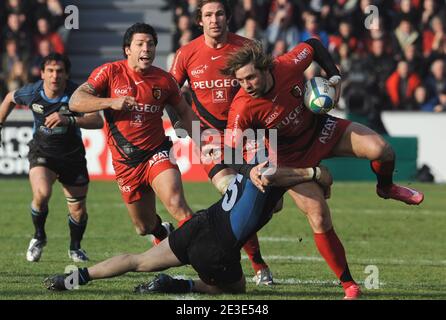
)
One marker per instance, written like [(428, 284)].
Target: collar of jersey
[(63, 98)]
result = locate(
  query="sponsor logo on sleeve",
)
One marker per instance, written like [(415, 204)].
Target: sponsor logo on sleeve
[(301, 55)]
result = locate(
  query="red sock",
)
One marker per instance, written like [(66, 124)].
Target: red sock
[(383, 171), (252, 249), (331, 249), (181, 222)]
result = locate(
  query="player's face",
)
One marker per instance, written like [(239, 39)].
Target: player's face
[(141, 53), (213, 20), (54, 76), (252, 80)]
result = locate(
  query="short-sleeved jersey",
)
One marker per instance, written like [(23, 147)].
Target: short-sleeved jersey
[(132, 134), (282, 108), (212, 92), (59, 142)]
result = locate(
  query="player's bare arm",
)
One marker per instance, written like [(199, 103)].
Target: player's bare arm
[(88, 121), (288, 177), (186, 115), (323, 58), (6, 107), (86, 99)]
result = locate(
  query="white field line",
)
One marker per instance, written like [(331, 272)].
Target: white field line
[(284, 281), (377, 261), (408, 211)]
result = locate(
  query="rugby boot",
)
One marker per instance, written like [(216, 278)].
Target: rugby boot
[(400, 193)]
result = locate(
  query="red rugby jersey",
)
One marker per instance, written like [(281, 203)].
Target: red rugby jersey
[(282, 108), (212, 92), (132, 132)]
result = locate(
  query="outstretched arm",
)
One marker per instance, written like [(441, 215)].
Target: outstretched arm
[(5, 109), (87, 121), (86, 99), (288, 177)]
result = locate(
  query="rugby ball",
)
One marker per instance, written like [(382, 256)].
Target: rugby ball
[(319, 95)]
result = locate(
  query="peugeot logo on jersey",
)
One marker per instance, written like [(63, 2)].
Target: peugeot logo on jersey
[(37, 108)]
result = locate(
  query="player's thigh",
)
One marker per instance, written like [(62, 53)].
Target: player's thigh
[(309, 198), (169, 188), (143, 211), (41, 180), (361, 142)]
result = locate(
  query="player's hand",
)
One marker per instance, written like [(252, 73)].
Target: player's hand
[(335, 82), (256, 176), (124, 103), (211, 153), (56, 120), (325, 181)]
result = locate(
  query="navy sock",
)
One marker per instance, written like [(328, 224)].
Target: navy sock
[(39, 219), (84, 276), (77, 230), (159, 231)]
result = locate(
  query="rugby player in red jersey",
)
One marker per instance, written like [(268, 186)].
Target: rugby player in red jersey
[(133, 94), (272, 98), (199, 62)]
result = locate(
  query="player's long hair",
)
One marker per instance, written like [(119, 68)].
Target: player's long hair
[(138, 28), (251, 52), (201, 3)]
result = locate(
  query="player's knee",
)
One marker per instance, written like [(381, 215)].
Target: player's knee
[(79, 215), (142, 230), (380, 150), (176, 203), (41, 197), (222, 183)]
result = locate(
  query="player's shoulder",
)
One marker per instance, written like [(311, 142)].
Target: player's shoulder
[(192, 46), (297, 54), (29, 89), (237, 40), (241, 101), (112, 66)]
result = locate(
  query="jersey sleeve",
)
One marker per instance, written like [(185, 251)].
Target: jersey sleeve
[(100, 78), (299, 58), (174, 91), (178, 69), (25, 94)]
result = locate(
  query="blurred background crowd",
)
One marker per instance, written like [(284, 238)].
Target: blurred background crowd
[(395, 63)]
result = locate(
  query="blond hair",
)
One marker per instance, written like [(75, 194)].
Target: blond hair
[(251, 52)]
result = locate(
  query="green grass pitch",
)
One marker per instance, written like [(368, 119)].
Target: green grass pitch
[(405, 243)]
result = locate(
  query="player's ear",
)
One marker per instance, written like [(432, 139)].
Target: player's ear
[(127, 51)]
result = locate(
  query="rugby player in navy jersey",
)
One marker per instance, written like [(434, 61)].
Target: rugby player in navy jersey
[(210, 241), (56, 151)]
